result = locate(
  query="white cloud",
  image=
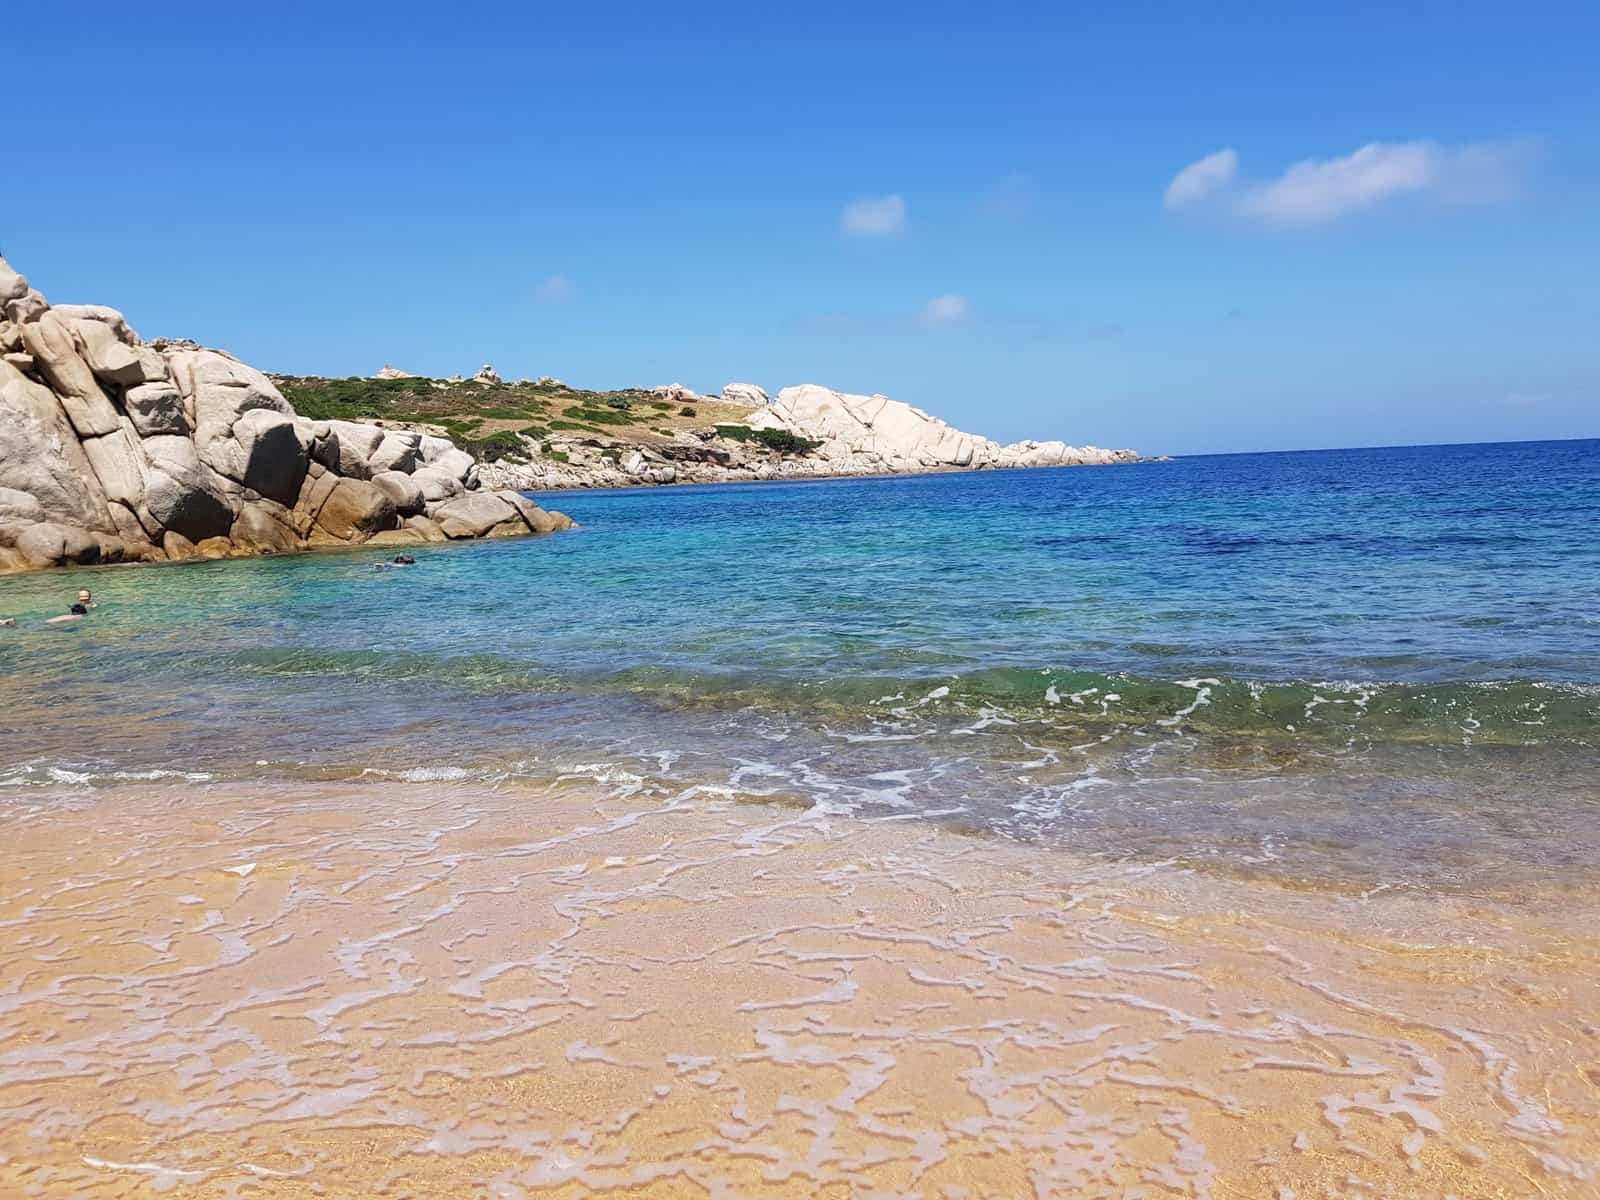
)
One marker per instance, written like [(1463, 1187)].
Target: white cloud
[(949, 309), (1317, 191), (554, 289), (874, 216), (1311, 192), (1200, 179)]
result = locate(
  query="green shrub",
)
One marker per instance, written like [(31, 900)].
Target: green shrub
[(687, 411), (780, 440), (597, 416), (497, 447)]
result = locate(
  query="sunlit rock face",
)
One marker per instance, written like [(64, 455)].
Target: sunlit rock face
[(870, 433), (114, 450)]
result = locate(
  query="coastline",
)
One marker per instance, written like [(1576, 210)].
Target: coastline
[(503, 476), (587, 985)]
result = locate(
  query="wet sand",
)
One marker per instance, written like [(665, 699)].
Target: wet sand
[(582, 989)]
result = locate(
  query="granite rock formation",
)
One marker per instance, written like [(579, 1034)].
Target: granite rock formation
[(114, 450), (836, 433)]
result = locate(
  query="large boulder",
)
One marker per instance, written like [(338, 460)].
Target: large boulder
[(12, 285), (355, 510), (20, 508), (403, 490), (54, 545), (745, 395), (55, 354), (218, 389), (155, 409), (474, 515), (425, 528), (397, 452), (264, 528), (432, 447), (526, 508), (113, 360), (314, 492), (274, 451), (179, 502), (40, 454), (437, 485), (119, 465), (356, 444), (457, 464), (101, 314)]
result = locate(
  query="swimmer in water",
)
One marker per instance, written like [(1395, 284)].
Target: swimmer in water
[(80, 608)]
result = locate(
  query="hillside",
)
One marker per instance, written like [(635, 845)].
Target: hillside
[(494, 420), (546, 434)]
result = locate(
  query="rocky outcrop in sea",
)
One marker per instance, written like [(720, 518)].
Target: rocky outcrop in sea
[(117, 450)]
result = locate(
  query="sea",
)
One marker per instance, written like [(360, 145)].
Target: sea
[(1357, 669)]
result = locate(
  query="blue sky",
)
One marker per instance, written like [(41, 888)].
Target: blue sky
[(976, 210)]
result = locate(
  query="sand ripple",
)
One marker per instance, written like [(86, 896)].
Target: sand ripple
[(442, 989)]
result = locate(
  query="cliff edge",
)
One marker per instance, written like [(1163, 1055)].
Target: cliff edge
[(114, 450)]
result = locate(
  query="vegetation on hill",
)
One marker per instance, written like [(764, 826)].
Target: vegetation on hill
[(485, 418), (780, 440)]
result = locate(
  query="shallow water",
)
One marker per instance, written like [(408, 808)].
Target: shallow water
[(1357, 667)]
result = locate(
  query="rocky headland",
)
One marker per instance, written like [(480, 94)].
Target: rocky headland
[(117, 450), (545, 434), (803, 432)]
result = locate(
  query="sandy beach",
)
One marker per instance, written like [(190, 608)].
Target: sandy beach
[(591, 988)]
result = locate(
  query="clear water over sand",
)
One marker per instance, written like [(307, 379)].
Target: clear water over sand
[(1223, 827)]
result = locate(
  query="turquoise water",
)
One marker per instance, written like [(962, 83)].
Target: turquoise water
[(1376, 664)]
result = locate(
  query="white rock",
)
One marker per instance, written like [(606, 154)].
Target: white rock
[(456, 463), (12, 285), (40, 454), (118, 462), (436, 485), (55, 352), (115, 361), (357, 444), (397, 452), (677, 392), (746, 395), (403, 489), (99, 313), (218, 389)]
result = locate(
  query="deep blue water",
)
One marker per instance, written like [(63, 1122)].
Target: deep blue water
[(1370, 661)]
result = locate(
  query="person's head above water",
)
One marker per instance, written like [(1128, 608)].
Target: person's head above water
[(84, 597)]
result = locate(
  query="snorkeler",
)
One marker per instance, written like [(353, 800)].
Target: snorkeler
[(80, 609)]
